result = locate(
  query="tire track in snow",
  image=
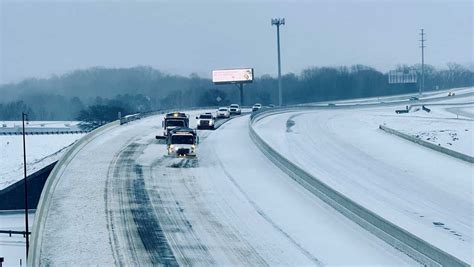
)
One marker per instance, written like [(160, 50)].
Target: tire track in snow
[(136, 235), (308, 254), (187, 246), (178, 185)]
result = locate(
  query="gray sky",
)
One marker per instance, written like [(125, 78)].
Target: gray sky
[(43, 38)]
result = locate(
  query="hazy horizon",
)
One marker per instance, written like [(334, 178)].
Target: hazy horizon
[(53, 38)]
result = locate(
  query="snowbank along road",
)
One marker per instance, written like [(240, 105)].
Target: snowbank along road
[(122, 196)]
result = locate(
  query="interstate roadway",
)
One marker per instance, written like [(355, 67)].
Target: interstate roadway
[(119, 200)]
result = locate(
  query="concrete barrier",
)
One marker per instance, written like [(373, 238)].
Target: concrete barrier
[(13, 196), (393, 235), (441, 149), (47, 193)]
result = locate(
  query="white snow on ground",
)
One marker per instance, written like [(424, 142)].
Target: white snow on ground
[(35, 124), (41, 150), (395, 98), (238, 205), (423, 191), (441, 93), (440, 126), (13, 248)]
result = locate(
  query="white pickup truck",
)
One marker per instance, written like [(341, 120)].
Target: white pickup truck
[(235, 109), (206, 121)]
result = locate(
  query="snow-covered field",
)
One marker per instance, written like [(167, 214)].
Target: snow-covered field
[(423, 191), (431, 95), (440, 126), (45, 124), (41, 150), (13, 248)]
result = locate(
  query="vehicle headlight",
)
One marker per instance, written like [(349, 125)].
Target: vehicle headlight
[(210, 122), (193, 148)]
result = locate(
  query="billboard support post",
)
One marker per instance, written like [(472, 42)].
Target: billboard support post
[(241, 87), (241, 90)]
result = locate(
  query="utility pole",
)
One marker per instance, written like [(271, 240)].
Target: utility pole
[(277, 22), (422, 40), (23, 116)]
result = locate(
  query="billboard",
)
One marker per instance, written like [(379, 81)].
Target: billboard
[(232, 76), (407, 76)]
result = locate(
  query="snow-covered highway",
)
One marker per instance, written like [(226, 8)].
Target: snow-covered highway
[(423, 191), (120, 201)]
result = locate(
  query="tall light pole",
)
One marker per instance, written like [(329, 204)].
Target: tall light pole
[(277, 22), (24, 117), (422, 40)]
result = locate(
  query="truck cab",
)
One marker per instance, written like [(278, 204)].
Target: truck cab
[(182, 142), (174, 120), (205, 121)]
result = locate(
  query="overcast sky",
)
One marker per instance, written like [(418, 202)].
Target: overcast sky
[(43, 38)]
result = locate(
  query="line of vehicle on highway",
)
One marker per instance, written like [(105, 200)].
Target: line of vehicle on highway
[(182, 140)]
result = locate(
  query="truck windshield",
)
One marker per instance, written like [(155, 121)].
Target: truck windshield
[(205, 117), (182, 139), (178, 123)]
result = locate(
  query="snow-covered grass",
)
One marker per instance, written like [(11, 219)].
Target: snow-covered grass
[(440, 126), (41, 150), (395, 98), (45, 124)]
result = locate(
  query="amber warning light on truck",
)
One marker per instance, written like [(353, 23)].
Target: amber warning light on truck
[(232, 76)]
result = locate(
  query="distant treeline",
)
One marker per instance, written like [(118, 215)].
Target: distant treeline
[(82, 93)]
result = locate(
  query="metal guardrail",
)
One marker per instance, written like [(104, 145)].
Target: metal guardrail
[(129, 118), (44, 132), (393, 235), (12, 232), (424, 143)]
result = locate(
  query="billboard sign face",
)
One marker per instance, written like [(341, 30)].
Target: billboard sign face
[(409, 76), (232, 76)]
